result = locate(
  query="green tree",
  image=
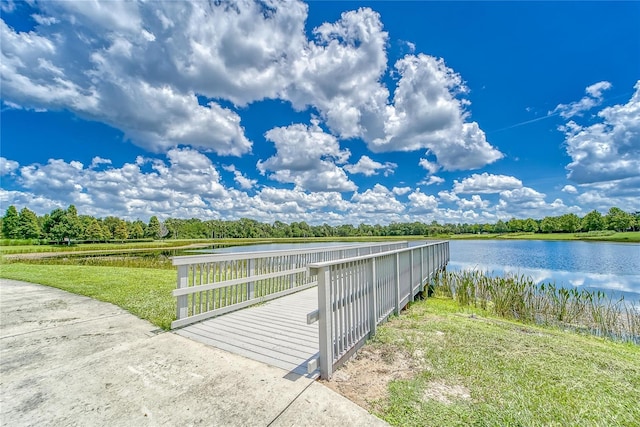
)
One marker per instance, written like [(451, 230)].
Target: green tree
[(618, 220), (121, 232), (136, 230), (530, 225), (549, 224), (153, 228), (10, 223), (28, 225), (94, 231), (593, 221), (568, 223)]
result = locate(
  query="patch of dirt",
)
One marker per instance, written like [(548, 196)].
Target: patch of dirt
[(445, 393), (365, 378)]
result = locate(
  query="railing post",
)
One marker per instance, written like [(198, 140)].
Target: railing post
[(373, 300), (397, 279), (411, 277), (422, 269), (251, 291), (182, 303), (325, 319)]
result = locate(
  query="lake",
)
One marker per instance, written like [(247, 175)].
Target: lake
[(612, 267)]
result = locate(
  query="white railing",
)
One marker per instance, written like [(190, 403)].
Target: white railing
[(214, 284), (357, 294)]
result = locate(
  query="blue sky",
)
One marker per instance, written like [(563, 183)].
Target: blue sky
[(337, 112)]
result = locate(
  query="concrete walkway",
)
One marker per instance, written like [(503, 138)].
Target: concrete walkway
[(71, 360)]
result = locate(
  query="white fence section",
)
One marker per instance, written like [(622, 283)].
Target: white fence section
[(210, 285), (357, 294)]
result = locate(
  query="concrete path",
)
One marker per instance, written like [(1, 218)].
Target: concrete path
[(71, 360)]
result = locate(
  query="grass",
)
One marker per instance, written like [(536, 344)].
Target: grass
[(512, 374), (144, 292)]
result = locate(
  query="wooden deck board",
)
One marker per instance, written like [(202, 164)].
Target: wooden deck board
[(275, 333)]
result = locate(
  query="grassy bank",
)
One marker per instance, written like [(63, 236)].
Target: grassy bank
[(145, 292), (444, 365)]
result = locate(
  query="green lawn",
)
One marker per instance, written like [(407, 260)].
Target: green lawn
[(145, 292), (511, 374)]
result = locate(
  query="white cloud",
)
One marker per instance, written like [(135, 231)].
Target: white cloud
[(377, 199), (369, 167), (339, 73), (400, 191), (139, 66), (608, 150), (420, 202), (307, 157), (7, 166), (448, 196), (426, 114), (475, 203), (243, 181), (431, 167), (432, 180), (486, 183), (570, 189), (593, 99)]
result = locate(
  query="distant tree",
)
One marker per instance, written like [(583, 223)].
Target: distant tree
[(136, 229), (568, 223), (592, 221), (121, 232), (500, 227), (153, 228), (111, 222), (530, 225), (74, 225), (549, 224), (515, 225), (94, 231), (10, 223), (28, 225), (618, 220)]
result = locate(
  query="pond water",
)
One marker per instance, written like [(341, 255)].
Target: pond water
[(612, 267)]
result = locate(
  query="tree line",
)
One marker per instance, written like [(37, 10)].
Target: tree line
[(66, 225)]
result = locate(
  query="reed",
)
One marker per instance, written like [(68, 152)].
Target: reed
[(519, 297)]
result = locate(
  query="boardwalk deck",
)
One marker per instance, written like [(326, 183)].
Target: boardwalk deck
[(275, 333)]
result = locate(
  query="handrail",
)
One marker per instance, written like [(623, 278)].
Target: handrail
[(213, 284), (356, 294)]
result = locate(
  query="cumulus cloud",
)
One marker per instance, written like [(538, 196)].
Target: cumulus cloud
[(427, 114), (432, 180), (377, 199), (475, 203), (307, 157), (7, 166), (185, 182), (369, 167), (242, 180), (400, 191), (570, 189), (157, 70), (420, 202), (608, 150), (593, 99), (486, 183)]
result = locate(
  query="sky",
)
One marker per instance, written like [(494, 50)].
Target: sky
[(325, 112)]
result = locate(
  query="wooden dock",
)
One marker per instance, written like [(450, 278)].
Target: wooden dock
[(275, 333)]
